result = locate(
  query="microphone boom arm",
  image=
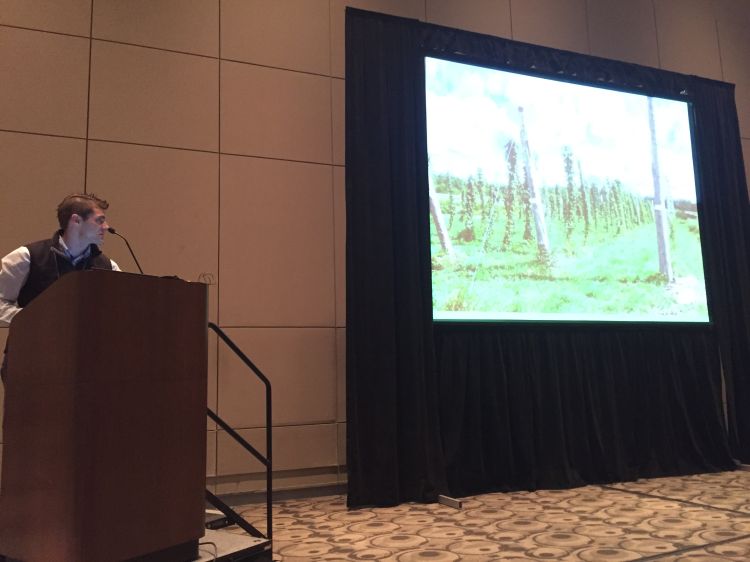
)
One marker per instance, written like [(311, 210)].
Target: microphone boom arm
[(132, 253)]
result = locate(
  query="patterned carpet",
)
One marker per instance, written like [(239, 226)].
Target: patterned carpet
[(692, 518)]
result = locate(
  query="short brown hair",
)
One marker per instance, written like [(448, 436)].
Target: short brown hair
[(81, 204)]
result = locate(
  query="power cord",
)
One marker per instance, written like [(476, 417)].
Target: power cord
[(216, 548)]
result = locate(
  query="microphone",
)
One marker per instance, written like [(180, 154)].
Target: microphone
[(113, 231)]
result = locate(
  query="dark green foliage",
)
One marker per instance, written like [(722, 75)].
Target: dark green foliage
[(468, 201), (569, 197), (526, 206), (493, 196), (509, 192), (579, 214), (479, 188), (454, 186), (601, 243), (583, 204)]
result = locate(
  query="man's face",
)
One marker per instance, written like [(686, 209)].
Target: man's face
[(94, 227)]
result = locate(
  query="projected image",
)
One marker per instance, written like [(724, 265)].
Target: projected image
[(556, 201)]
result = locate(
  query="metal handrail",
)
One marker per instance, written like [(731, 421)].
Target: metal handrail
[(233, 516), (265, 460)]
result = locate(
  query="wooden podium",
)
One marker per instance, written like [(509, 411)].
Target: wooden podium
[(104, 449)]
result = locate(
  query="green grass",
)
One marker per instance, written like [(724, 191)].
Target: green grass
[(604, 276)]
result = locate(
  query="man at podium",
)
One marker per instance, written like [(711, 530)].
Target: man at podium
[(104, 429), (30, 269)]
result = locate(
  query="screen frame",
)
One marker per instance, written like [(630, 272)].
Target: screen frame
[(533, 72)]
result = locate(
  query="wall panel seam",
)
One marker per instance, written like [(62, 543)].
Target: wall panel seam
[(88, 102), (44, 31), (19, 132), (191, 54), (201, 150)]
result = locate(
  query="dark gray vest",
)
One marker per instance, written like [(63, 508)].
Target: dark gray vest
[(49, 263)]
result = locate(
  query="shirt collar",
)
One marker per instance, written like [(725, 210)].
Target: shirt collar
[(75, 260)]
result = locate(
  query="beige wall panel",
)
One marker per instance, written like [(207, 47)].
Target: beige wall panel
[(276, 243), (299, 362), (61, 16), (554, 23), (405, 8), (733, 23), (153, 97), (340, 374), (48, 78), (742, 100), (275, 113), (339, 211), (292, 34), (36, 172), (341, 437), (165, 202), (623, 31), (687, 37), (210, 453), (190, 26), (300, 446), (213, 377), (483, 16), (338, 108)]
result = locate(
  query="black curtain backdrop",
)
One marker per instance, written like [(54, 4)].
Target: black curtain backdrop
[(394, 454), (725, 232), (468, 409)]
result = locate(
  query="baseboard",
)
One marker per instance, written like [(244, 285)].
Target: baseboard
[(245, 498)]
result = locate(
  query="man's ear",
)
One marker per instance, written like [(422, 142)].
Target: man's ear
[(76, 219)]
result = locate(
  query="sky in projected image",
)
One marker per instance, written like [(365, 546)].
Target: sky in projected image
[(596, 221), (472, 112)]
